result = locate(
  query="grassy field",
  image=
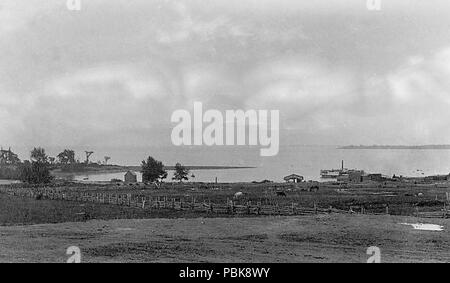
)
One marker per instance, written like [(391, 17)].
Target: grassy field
[(321, 238), (25, 211), (402, 200), (112, 233), (398, 196)]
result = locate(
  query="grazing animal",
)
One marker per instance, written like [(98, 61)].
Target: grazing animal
[(314, 189), (39, 196), (238, 195), (281, 194)]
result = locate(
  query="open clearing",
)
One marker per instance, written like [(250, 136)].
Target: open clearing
[(315, 238), (40, 230)]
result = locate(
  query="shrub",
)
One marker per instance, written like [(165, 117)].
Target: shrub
[(35, 173)]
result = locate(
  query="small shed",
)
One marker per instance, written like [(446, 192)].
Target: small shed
[(376, 177), (293, 178), (343, 178), (356, 176), (130, 177)]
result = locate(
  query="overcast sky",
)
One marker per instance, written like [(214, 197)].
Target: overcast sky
[(113, 73)]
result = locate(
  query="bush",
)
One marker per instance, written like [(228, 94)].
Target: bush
[(9, 172), (35, 173)]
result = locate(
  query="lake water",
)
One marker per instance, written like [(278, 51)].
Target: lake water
[(303, 160)]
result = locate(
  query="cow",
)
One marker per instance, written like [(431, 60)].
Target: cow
[(281, 194), (238, 195)]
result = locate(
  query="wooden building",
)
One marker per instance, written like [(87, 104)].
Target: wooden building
[(293, 178), (130, 177)]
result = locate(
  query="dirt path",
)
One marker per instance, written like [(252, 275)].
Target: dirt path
[(325, 238)]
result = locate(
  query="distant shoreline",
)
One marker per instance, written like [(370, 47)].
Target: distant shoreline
[(435, 147), (195, 167), (119, 169)]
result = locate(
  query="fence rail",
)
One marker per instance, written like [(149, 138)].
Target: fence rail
[(178, 203)]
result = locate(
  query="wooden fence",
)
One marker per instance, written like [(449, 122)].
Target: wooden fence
[(182, 204), (162, 202)]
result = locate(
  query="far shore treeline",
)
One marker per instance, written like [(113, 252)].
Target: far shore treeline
[(37, 169)]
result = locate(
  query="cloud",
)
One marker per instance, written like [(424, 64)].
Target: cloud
[(136, 85), (423, 80), (337, 72), (299, 87), (186, 28)]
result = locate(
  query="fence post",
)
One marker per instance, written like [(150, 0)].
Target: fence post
[(445, 211)]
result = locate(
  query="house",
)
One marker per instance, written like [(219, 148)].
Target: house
[(130, 177), (356, 176), (293, 178), (436, 178), (343, 178), (365, 178), (376, 177)]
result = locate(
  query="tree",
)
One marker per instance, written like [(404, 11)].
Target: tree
[(51, 160), (153, 170), (34, 172), (66, 157), (181, 173), (8, 157), (38, 155)]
